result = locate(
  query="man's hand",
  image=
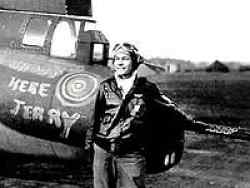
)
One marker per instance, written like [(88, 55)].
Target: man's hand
[(87, 145), (88, 150)]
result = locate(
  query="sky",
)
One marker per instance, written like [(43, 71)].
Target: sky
[(195, 30)]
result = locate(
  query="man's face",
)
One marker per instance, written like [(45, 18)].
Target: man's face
[(123, 64)]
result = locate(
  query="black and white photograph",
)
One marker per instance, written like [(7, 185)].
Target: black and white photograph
[(124, 94)]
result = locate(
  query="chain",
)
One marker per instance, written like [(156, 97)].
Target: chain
[(222, 130)]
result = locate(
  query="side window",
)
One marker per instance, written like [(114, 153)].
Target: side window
[(64, 39), (98, 52), (36, 32)]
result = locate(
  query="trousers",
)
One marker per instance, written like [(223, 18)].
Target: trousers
[(114, 171)]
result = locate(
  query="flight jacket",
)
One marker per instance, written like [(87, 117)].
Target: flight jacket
[(122, 121), (122, 125)]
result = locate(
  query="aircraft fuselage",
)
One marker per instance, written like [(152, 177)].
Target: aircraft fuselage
[(50, 68)]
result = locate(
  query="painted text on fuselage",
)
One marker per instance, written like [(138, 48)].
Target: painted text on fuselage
[(55, 116), (26, 86)]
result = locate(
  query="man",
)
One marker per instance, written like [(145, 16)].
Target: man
[(127, 129), (121, 114)]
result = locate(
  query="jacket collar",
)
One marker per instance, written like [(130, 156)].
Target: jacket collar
[(114, 86), (125, 85)]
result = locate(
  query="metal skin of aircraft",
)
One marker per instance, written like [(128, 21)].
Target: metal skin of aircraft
[(47, 82), (50, 69)]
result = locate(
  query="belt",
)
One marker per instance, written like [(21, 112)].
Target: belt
[(117, 146)]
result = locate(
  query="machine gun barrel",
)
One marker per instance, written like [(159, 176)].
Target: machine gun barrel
[(215, 129)]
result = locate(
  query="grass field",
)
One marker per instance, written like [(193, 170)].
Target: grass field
[(212, 97)]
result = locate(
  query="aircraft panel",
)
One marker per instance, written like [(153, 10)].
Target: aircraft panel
[(74, 97), (71, 7), (25, 102), (12, 27), (14, 142)]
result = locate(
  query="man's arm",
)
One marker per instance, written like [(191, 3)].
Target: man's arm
[(186, 122)]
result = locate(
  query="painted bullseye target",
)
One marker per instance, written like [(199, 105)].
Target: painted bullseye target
[(75, 89)]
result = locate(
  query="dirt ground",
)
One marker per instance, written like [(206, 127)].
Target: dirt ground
[(208, 161)]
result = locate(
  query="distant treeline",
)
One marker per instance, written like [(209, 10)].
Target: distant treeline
[(244, 68), (176, 65)]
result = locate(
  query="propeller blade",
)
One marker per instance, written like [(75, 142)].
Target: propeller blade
[(153, 66)]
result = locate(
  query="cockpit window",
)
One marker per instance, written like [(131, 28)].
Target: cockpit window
[(64, 39), (36, 32)]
